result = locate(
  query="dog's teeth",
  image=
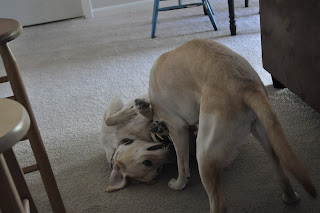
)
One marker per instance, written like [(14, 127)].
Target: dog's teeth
[(160, 136)]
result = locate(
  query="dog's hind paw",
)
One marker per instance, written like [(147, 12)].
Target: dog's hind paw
[(141, 104), (291, 200)]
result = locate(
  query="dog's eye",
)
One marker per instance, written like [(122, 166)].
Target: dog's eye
[(147, 163), (155, 147), (126, 141)]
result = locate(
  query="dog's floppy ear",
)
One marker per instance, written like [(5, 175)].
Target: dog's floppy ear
[(117, 181)]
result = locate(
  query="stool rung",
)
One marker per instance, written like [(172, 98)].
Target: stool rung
[(30, 169), (4, 79)]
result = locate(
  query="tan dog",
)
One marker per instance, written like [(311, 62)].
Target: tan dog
[(207, 83), (128, 143)]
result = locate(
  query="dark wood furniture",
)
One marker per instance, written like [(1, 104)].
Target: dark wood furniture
[(290, 37), (9, 30)]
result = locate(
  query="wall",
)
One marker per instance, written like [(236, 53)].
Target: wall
[(30, 12)]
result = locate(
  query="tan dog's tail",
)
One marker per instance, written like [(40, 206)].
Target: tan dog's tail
[(258, 101)]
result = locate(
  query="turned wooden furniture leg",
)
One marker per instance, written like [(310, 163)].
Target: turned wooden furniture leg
[(232, 21), (33, 134), (9, 202), (18, 178)]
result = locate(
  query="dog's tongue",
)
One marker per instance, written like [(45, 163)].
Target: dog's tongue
[(117, 181)]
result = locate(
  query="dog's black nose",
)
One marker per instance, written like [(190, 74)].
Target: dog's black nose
[(153, 127)]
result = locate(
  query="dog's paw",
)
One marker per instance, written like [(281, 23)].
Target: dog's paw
[(291, 200), (176, 185), (141, 104), (130, 113), (158, 127)]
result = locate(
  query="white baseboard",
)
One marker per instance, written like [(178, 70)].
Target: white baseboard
[(87, 9)]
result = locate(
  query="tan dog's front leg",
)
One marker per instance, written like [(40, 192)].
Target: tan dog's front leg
[(180, 139)]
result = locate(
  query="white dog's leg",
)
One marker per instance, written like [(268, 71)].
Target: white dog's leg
[(144, 108), (289, 196), (122, 116)]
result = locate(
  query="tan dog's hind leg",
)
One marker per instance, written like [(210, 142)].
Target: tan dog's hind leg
[(289, 196), (211, 156)]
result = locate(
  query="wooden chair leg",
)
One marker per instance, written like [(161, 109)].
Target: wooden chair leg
[(18, 178), (154, 18), (209, 11), (34, 136), (9, 198), (233, 28)]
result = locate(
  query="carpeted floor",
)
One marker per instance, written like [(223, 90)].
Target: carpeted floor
[(73, 68)]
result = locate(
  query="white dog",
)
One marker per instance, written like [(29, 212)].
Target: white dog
[(129, 147), (205, 82)]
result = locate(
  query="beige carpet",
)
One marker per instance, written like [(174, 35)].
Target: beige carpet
[(73, 68)]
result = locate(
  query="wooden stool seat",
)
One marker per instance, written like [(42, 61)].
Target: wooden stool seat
[(9, 30), (14, 123)]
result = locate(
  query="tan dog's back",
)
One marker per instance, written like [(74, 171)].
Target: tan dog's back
[(202, 73)]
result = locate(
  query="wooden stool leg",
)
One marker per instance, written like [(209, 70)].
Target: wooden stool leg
[(18, 178), (34, 136), (9, 198)]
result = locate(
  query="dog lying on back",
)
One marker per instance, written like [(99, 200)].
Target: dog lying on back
[(130, 140)]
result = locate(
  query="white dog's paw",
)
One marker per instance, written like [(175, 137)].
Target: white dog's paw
[(141, 104), (130, 113), (176, 185)]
